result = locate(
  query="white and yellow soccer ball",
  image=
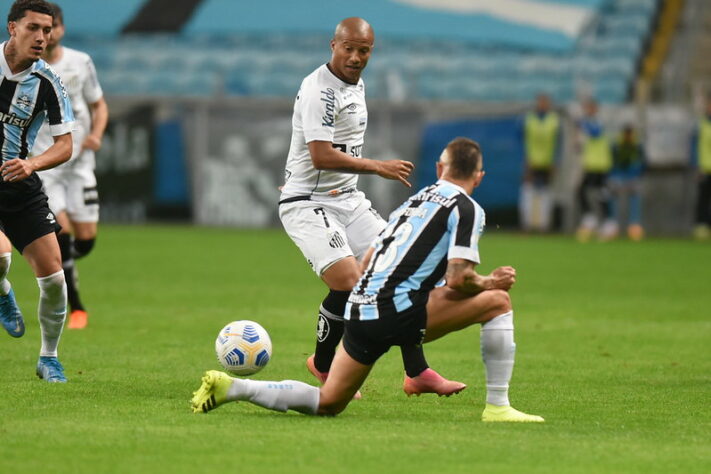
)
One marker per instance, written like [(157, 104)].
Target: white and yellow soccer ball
[(243, 347)]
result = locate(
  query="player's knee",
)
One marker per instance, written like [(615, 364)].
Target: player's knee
[(342, 276), (331, 407), (5, 259), (346, 281), (52, 286), (82, 247), (499, 301), (333, 400)]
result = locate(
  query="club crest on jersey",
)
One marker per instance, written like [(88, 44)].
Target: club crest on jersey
[(328, 97), (336, 241), (24, 102)]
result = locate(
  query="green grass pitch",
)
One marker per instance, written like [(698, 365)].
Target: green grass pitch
[(613, 349)]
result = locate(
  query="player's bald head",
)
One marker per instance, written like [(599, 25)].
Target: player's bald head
[(354, 29)]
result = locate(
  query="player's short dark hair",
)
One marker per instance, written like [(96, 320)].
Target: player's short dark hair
[(58, 13), (20, 7), (464, 157)]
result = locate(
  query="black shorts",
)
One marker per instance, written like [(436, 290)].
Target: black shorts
[(366, 341), (28, 224)]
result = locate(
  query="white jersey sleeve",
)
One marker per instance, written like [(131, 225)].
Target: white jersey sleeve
[(317, 108), (92, 89)]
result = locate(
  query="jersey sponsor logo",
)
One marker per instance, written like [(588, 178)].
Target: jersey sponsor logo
[(362, 299), (59, 79), (435, 198), (328, 97), (12, 119), (354, 150), (51, 219)]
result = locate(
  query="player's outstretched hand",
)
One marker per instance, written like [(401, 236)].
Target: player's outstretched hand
[(396, 169), (16, 170), (503, 277)]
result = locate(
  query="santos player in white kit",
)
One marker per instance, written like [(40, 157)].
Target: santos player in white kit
[(320, 206), (71, 188)]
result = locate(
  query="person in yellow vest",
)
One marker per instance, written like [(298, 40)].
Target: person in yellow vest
[(541, 131), (593, 193), (702, 230)]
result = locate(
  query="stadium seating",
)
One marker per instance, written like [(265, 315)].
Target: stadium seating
[(226, 57)]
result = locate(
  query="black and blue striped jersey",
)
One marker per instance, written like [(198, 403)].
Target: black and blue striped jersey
[(438, 223), (27, 99)]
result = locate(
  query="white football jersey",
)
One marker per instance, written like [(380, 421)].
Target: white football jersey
[(326, 109), (76, 69)]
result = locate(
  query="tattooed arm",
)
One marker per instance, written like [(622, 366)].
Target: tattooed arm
[(461, 276)]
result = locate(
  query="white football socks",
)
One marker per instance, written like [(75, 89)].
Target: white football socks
[(52, 311), (278, 396), (497, 351), (5, 259)]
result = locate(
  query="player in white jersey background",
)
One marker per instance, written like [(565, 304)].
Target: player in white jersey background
[(320, 206), (71, 188)]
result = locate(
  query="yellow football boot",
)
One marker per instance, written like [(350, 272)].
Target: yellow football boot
[(212, 393), (508, 414)]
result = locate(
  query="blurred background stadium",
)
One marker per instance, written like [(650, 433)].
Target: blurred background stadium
[(201, 91)]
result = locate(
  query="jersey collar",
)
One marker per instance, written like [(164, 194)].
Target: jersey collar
[(7, 72), (444, 181), (341, 81)]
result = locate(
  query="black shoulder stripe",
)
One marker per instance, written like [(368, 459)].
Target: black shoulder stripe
[(24, 150), (467, 215), (47, 96)]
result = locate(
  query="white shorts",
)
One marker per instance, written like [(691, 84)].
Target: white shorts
[(71, 187), (329, 229)]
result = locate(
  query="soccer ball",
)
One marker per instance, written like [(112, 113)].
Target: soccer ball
[(243, 347)]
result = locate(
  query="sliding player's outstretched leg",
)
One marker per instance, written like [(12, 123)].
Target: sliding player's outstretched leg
[(212, 393), (219, 388)]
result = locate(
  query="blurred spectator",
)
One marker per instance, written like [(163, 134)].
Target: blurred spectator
[(702, 230), (541, 130), (626, 182), (593, 194)]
